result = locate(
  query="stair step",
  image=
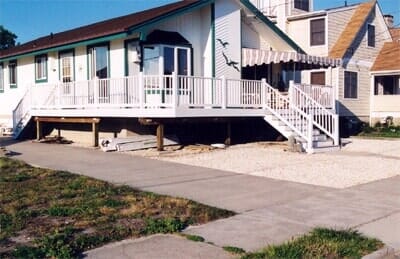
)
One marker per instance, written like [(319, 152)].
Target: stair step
[(326, 149)]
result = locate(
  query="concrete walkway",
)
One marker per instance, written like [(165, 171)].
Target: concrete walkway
[(270, 211)]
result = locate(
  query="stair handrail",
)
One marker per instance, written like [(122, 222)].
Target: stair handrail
[(322, 118), (279, 96), (22, 109)]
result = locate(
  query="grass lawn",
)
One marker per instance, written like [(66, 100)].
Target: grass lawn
[(321, 243), (47, 213)]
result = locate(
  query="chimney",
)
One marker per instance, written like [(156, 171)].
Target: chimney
[(389, 20)]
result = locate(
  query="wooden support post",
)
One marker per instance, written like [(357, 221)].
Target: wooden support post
[(228, 134), (59, 132), (160, 137), (38, 130), (95, 134)]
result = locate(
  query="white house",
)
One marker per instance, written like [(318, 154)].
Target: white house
[(182, 60)]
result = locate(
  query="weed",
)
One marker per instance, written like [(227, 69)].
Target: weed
[(195, 238), (168, 225), (234, 250), (322, 243)]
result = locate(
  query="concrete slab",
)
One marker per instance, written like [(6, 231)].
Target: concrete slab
[(386, 229), (213, 187), (158, 246)]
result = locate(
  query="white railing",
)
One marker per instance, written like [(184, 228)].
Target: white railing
[(322, 94), (21, 111), (300, 110), (279, 105), (322, 118)]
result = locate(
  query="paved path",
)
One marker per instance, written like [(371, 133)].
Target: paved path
[(270, 211)]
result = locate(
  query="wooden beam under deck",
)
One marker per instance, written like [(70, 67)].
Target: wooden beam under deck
[(93, 121)]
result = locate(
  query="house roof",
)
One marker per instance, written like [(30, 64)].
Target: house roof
[(96, 30), (388, 58), (395, 32), (351, 30)]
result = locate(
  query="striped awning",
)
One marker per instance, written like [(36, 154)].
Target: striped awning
[(251, 57)]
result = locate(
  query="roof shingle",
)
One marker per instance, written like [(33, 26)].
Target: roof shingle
[(395, 32), (388, 58), (351, 30), (96, 30)]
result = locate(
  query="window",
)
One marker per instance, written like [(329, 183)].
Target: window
[(317, 32), (1, 78), (371, 35), (41, 68), (302, 5), (66, 64), (318, 78), (98, 61), (350, 85), (12, 72)]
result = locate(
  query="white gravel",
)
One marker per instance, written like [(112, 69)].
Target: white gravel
[(360, 161)]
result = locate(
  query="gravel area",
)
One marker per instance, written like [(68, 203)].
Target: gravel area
[(360, 161)]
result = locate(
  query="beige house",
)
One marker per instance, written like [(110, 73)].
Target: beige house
[(353, 33), (385, 85)]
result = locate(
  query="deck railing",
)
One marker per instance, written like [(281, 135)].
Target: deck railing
[(301, 110), (323, 94), (322, 118)]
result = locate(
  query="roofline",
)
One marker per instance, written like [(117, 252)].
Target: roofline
[(179, 11), (272, 26), (128, 31), (385, 72), (322, 12), (68, 46)]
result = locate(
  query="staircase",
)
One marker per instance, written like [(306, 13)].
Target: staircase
[(300, 117)]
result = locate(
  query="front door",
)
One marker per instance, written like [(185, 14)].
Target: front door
[(99, 69), (67, 78)]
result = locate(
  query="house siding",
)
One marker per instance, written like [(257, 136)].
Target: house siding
[(361, 61), (299, 30)]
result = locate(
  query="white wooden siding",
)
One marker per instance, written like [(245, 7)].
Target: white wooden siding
[(227, 28)]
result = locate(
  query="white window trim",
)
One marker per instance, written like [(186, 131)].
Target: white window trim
[(358, 84), (41, 78), (12, 85)]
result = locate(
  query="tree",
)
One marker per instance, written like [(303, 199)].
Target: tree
[(7, 38)]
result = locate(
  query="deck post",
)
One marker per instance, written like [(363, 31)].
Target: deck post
[(310, 133), (160, 137), (95, 133), (141, 90), (263, 102), (336, 141), (291, 85), (38, 129), (228, 139), (224, 92), (96, 90), (175, 89)]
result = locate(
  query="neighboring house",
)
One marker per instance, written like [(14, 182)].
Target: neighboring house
[(385, 85), (182, 60), (355, 34)]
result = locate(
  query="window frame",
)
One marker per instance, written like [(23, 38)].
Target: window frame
[(312, 42), (45, 76), (89, 59), (369, 43), (60, 65), (299, 4), (314, 73), (12, 67), (1, 77), (345, 84)]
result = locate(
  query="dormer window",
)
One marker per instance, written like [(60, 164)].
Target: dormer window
[(302, 5), (371, 35)]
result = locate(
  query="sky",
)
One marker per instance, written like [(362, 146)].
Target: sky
[(31, 19)]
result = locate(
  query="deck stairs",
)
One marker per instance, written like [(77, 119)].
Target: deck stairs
[(297, 115)]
